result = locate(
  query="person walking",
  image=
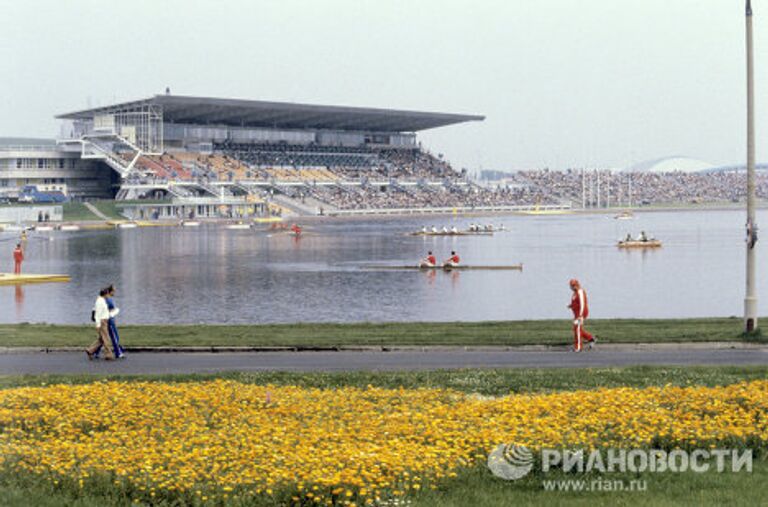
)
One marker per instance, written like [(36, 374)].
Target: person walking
[(101, 319), (580, 309), (18, 258), (112, 327)]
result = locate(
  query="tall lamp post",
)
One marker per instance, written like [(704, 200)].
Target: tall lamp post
[(750, 300)]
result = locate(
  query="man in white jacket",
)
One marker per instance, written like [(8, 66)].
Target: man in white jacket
[(101, 318)]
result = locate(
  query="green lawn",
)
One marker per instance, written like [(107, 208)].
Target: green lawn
[(109, 208), (539, 332), (491, 382), (479, 488), (77, 212), (476, 486)]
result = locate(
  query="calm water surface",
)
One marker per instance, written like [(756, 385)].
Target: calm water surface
[(214, 275)]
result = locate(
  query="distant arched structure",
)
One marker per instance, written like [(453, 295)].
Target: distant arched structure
[(671, 164)]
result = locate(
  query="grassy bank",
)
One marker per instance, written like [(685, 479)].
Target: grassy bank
[(476, 487), (491, 382), (109, 208), (539, 332), (471, 486), (479, 488), (77, 212)]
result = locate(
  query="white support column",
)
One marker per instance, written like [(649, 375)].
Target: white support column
[(750, 300)]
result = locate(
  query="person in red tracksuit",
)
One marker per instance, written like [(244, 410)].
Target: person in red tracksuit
[(18, 258), (580, 310)]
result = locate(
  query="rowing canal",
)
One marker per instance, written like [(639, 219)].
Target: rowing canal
[(214, 275)]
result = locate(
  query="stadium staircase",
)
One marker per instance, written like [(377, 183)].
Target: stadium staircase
[(97, 147), (215, 190), (295, 205)]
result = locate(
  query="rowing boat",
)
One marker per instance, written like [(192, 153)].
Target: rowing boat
[(652, 243), (451, 233), (463, 267), (237, 227)]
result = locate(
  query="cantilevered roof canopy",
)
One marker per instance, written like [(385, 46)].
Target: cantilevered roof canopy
[(256, 113)]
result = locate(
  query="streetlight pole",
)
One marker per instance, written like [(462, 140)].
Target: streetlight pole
[(750, 300)]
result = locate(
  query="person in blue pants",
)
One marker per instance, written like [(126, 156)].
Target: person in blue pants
[(114, 336)]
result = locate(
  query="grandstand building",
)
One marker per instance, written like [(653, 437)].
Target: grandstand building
[(185, 156), (41, 163)]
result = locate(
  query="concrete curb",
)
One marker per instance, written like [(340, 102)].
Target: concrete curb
[(409, 348)]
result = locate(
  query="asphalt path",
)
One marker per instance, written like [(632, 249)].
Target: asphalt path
[(199, 362)]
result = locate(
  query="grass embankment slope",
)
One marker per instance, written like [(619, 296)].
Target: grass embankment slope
[(505, 333), (486, 382), (79, 212), (474, 486)]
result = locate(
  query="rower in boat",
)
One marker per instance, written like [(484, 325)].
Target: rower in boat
[(434, 230), (642, 237), (445, 230), (454, 230), (295, 229), (628, 238), (453, 261), (429, 261), (423, 229)]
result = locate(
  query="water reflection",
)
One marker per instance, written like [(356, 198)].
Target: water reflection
[(19, 299), (210, 274)]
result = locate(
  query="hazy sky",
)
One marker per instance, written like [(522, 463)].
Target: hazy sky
[(561, 82)]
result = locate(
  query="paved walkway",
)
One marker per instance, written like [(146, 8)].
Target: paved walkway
[(206, 362)]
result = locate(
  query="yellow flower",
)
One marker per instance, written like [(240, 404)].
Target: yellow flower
[(218, 437)]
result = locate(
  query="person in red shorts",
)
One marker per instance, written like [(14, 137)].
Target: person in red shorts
[(453, 261), (429, 262), (580, 309), (18, 258)]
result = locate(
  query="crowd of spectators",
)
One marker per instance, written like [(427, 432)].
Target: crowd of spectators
[(396, 197), (641, 188), (293, 155), (414, 178), (350, 163)]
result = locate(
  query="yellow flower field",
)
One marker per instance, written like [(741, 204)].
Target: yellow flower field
[(224, 439)]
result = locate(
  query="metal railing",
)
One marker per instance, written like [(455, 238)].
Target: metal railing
[(29, 147)]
